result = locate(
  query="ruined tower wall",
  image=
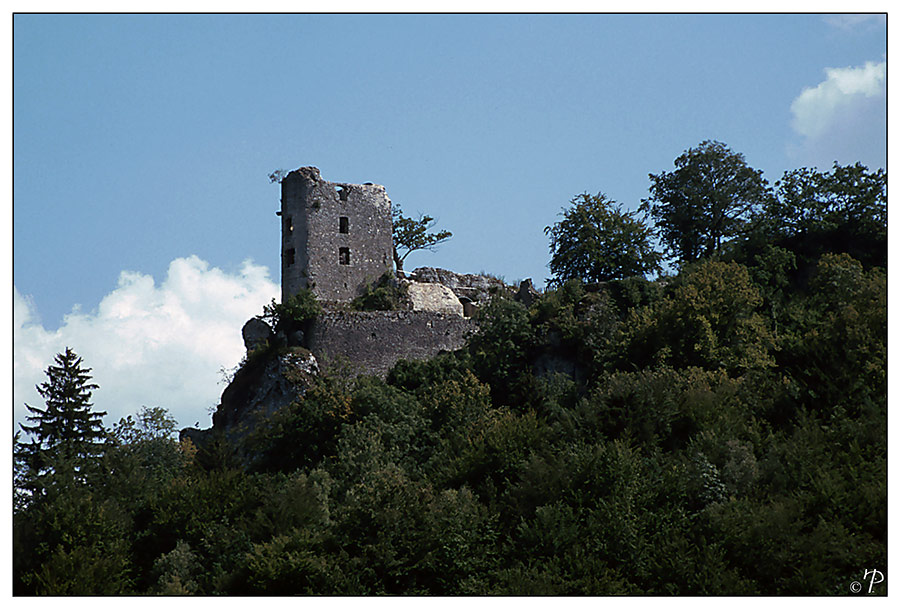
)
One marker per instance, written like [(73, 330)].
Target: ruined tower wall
[(336, 237)]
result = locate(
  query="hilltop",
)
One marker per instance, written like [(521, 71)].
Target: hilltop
[(720, 429)]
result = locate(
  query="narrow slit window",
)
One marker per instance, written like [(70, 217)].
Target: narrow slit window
[(344, 225), (344, 255), (289, 256), (342, 191), (289, 223)]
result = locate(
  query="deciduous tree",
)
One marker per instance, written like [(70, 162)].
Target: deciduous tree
[(707, 200), (411, 235), (597, 241), (841, 211)]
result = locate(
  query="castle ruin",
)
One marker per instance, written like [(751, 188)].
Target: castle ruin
[(336, 240), (335, 237)]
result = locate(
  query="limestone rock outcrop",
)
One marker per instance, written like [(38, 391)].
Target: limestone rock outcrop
[(473, 291), (434, 297), (256, 334), (261, 387)]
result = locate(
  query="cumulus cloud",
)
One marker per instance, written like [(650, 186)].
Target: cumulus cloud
[(843, 118), (818, 108), (148, 344)]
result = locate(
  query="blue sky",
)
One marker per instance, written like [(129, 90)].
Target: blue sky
[(144, 225)]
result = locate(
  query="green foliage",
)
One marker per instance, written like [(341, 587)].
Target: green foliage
[(633, 292), (411, 234), (145, 454), (403, 536), (837, 344), (415, 375), (67, 435), (499, 444), (391, 429), (718, 432), (841, 211), (597, 241), (84, 570), (73, 542), (66, 427), (174, 572), (817, 508), (771, 269), (386, 294), (500, 348), (292, 313), (572, 326), (304, 432), (153, 423), (290, 563), (708, 319), (709, 199)]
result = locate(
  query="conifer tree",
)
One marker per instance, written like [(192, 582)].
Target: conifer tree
[(66, 429)]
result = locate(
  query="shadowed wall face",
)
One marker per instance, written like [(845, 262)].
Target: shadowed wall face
[(371, 342)]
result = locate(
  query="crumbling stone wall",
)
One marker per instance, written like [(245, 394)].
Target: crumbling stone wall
[(371, 342), (335, 237)]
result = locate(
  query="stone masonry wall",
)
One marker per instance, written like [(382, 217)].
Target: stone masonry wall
[(371, 342), (336, 237)]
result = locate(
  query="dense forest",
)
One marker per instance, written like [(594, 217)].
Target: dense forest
[(696, 405)]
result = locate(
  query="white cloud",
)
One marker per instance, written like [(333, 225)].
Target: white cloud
[(843, 118), (819, 108), (148, 344)]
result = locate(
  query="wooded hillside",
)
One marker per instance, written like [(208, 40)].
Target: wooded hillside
[(720, 429)]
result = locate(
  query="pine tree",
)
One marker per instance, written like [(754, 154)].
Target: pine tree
[(67, 431)]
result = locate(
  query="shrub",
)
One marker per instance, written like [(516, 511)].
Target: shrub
[(299, 308), (386, 294)]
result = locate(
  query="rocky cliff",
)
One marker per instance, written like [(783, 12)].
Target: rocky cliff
[(268, 381)]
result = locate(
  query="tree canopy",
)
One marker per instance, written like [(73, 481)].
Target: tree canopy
[(67, 426), (597, 241), (412, 234), (707, 200), (721, 430), (843, 210)]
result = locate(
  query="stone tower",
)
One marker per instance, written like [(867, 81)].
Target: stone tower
[(335, 237)]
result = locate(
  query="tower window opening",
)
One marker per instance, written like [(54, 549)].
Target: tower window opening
[(289, 223), (342, 191), (344, 255), (344, 225), (289, 256)]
